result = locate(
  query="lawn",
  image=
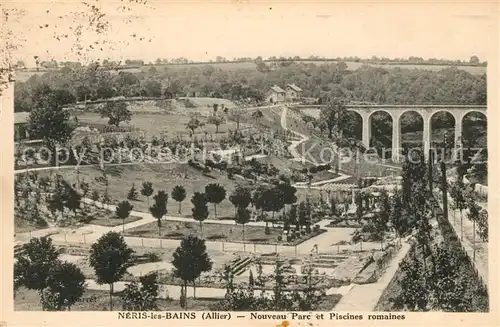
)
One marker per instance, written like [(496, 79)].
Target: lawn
[(212, 232), (92, 300), (158, 124), (164, 177), (112, 221)]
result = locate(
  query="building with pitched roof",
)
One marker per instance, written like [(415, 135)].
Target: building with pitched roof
[(293, 92), (276, 94), (20, 126)]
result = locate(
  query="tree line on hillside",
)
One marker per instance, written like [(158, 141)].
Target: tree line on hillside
[(412, 60), (370, 84)]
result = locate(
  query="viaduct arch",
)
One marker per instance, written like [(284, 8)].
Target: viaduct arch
[(425, 111)]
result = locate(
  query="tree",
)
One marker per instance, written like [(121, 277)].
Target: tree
[(474, 60), (237, 115), (70, 197), (413, 295), (383, 216), (109, 257), (179, 194), (200, 209), (123, 210), (65, 286), (216, 121), (215, 194), (193, 124), (147, 189), (459, 199), (240, 198), (334, 115), (56, 202), (396, 218), (257, 115), (141, 298), (94, 196), (49, 121), (288, 191), (242, 217), (159, 208), (190, 260), (132, 193), (473, 215), (302, 214), (116, 112), (33, 264), (273, 200)]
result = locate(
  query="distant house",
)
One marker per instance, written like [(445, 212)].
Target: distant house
[(276, 94), (293, 92), (20, 126)]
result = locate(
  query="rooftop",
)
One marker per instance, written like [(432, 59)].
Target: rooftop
[(295, 87), (277, 89)]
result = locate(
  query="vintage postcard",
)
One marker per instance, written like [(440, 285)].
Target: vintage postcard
[(255, 163)]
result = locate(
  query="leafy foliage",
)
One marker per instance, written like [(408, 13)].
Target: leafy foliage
[(179, 194), (116, 112), (200, 209), (109, 257), (215, 193), (143, 297)]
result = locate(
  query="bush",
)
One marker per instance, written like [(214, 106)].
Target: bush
[(280, 238), (267, 230), (308, 229), (230, 175), (153, 257), (316, 228)]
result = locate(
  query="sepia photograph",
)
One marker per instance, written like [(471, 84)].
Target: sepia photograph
[(242, 157)]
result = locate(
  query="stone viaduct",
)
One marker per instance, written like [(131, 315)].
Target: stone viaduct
[(396, 111)]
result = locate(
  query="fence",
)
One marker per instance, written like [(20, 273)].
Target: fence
[(255, 248)]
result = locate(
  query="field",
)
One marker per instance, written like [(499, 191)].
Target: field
[(22, 76), (211, 232), (164, 177), (156, 124)]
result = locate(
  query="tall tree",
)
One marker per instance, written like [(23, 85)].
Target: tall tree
[(459, 198), (273, 200), (109, 257), (147, 189), (334, 115), (123, 210), (33, 264), (215, 193), (143, 297), (179, 194), (49, 121), (240, 197), (216, 121), (65, 286), (200, 208), (132, 193), (159, 208), (383, 215), (116, 112), (190, 260), (242, 217)]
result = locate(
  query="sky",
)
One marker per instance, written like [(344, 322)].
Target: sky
[(200, 31)]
